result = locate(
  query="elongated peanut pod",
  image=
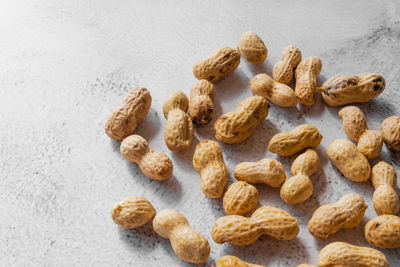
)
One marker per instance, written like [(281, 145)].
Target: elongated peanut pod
[(283, 69), (232, 261), (306, 80), (201, 107)]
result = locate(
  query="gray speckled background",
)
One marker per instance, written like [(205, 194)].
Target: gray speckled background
[(65, 65)]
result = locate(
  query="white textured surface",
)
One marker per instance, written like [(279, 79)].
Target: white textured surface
[(65, 65)]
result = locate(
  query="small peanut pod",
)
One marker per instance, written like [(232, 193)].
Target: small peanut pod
[(341, 89), (351, 163), (278, 93), (266, 171), (289, 143), (153, 164), (125, 119), (188, 244), (346, 255), (299, 188), (242, 231), (306, 80), (384, 179), (232, 261), (348, 212), (178, 130), (283, 69), (133, 212), (383, 231), (240, 198), (252, 48), (208, 161), (236, 126), (218, 65), (390, 130), (201, 108)]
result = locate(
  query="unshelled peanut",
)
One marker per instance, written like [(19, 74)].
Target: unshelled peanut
[(188, 244), (232, 261), (306, 80), (240, 198), (133, 212), (390, 130), (348, 212), (252, 48), (383, 231), (242, 231), (283, 69), (208, 161), (237, 125), (289, 143), (201, 108), (126, 118), (153, 164)]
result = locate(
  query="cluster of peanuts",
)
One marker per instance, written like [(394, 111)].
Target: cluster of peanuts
[(241, 197)]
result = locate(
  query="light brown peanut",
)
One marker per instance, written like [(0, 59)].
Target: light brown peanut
[(201, 108), (342, 89), (348, 212), (208, 161), (125, 119), (218, 65), (188, 244), (383, 231), (283, 69), (133, 212), (278, 93), (306, 80), (252, 48), (346, 255), (299, 188), (178, 130), (384, 179), (242, 231), (266, 171), (153, 164), (232, 261), (289, 143), (237, 125), (390, 130), (240, 198)]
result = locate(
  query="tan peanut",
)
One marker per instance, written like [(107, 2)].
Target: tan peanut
[(153, 164), (242, 231), (370, 142), (299, 188), (133, 212), (201, 108), (306, 80), (188, 244), (283, 69), (237, 125), (266, 171), (125, 119), (208, 161), (383, 231), (178, 130), (232, 261), (342, 89), (390, 130), (289, 143), (384, 179), (218, 65), (278, 93), (240, 198), (252, 48), (346, 255), (348, 212)]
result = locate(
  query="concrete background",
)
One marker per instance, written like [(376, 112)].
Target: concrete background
[(65, 65)]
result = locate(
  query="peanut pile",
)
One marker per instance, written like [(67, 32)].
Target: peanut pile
[(238, 227)]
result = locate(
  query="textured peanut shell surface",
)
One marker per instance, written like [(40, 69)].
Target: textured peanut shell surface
[(232, 261), (383, 231), (283, 69), (237, 125), (201, 108), (306, 80), (252, 48), (218, 65), (348, 212), (278, 93), (353, 121), (390, 130), (289, 143), (240, 198), (133, 212), (370, 144), (125, 119), (342, 89), (347, 255)]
